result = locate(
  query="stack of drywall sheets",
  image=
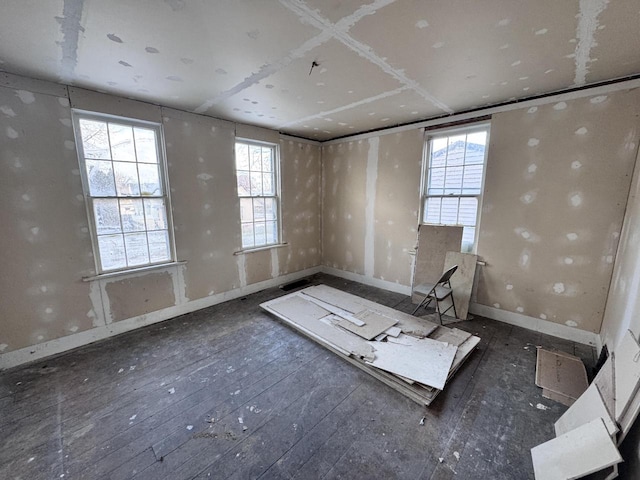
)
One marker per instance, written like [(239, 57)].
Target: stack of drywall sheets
[(413, 355), (589, 432)]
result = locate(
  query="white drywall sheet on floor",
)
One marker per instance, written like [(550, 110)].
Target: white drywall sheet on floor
[(582, 451), (585, 409), (374, 324), (423, 360)]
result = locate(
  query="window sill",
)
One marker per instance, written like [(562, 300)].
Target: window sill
[(260, 249), (121, 273)]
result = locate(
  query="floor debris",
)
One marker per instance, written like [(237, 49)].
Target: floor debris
[(422, 420), (540, 406)]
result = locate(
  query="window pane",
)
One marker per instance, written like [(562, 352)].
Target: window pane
[(270, 209), (244, 188), (436, 181), (272, 232), (155, 213), (453, 180), (255, 158), (455, 150), (132, 214), (472, 179), (246, 210), (137, 252), (95, 140), (267, 184), (449, 211), (256, 183), (258, 209), (475, 152), (107, 216), (111, 249), (467, 211), (432, 210), (242, 156), (121, 137), (146, 148), (267, 161), (261, 233), (149, 179), (438, 152), (159, 246), (100, 176), (126, 179), (247, 235)]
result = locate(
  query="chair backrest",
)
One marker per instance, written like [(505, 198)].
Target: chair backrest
[(447, 275)]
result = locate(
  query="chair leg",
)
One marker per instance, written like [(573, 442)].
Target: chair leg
[(426, 299), (438, 310)]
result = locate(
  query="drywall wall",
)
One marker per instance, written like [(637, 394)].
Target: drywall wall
[(556, 185), (623, 305), (46, 247), (370, 205)]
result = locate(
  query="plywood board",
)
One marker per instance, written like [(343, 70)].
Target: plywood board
[(561, 373), (374, 324), (308, 315), (606, 387), (626, 373), (585, 409), (434, 241), (425, 361), (584, 450), (462, 280), (558, 397)]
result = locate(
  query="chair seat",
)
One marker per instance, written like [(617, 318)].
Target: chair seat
[(425, 288)]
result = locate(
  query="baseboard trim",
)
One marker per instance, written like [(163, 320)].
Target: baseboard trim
[(69, 342), (536, 324), (374, 282)]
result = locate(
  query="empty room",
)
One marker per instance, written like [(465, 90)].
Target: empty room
[(325, 239)]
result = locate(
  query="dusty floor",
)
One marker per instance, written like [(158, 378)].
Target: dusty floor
[(230, 392)]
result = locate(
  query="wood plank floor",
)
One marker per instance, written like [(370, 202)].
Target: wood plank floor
[(230, 392)]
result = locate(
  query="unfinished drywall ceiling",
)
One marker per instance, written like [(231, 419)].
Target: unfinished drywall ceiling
[(322, 69)]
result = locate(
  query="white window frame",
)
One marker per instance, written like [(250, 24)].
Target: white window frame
[(431, 135), (275, 149), (77, 115)]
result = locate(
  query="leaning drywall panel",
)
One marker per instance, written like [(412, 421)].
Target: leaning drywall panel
[(556, 186), (587, 449), (45, 241), (586, 408), (626, 371), (462, 280)]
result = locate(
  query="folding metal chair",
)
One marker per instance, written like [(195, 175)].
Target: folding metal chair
[(438, 292)]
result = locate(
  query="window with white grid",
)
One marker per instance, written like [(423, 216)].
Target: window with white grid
[(257, 178), (454, 180), (125, 185)]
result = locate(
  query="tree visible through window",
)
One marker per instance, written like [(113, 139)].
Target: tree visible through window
[(123, 177), (257, 178), (453, 186)]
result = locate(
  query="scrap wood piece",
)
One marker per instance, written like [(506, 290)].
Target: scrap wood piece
[(374, 324), (425, 361), (561, 373), (462, 280), (585, 409), (626, 371), (308, 315), (579, 452)]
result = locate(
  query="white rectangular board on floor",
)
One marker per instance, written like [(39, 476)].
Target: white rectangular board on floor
[(424, 360), (585, 409), (584, 450), (373, 324)]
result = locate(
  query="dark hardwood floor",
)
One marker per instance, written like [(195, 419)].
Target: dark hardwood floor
[(230, 392)]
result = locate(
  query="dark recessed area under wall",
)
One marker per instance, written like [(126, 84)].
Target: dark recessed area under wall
[(166, 402)]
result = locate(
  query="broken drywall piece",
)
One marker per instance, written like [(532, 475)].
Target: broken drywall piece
[(462, 280), (374, 324), (626, 373), (426, 361), (584, 450), (585, 409), (434, 241), (561, 373), (393, 331), (380, 337), (335, 310), (558, 397)]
